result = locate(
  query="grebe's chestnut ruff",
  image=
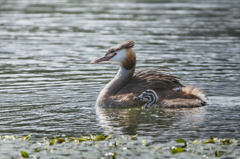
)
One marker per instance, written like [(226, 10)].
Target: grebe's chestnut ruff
[(126, 88)]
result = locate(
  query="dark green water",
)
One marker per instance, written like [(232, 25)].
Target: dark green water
[(48, 87)]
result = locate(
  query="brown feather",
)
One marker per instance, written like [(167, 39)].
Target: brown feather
[(150, 79), (130, 61), (180, 103)]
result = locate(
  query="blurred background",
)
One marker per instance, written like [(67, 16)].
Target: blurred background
[(49, 87)]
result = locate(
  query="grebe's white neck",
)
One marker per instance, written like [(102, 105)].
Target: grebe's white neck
[(122, 78)]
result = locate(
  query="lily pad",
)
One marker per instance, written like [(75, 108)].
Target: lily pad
[(177, 150), (24, 154), (52, 142), (225, 141), (97, 137), (182, 141), (25, 137)]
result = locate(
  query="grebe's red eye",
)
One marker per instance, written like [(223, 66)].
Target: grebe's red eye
[(114, 53)]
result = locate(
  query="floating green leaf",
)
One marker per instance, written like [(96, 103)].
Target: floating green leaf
[(83, 138), (109, 136), (208, 141), (8, 137), (114, 155), (180, 141), (133, 137), (37, 150), (97, 137), (195, 142), (24, 154), (72, 138), (177, 150), (225, 141), (211, 138), (52, 142), (60, 140), (25, 137), (218, 154)]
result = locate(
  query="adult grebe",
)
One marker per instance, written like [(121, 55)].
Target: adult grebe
[(123, 90)]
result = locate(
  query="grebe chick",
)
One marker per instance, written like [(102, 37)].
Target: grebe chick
[(126, 85), (152, 98)]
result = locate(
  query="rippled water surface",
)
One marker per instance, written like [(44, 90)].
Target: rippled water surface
[(48, 86)]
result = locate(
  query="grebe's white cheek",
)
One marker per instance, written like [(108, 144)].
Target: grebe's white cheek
[(120, 57)]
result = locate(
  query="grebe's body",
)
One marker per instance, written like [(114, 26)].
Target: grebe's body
[(126, 86)]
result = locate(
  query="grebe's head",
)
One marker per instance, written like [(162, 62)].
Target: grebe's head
[(122, 53)]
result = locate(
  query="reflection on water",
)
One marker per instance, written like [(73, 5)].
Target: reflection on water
[(151, 122), (48, 87)]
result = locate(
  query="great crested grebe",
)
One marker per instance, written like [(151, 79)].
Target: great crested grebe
[(127, 88)]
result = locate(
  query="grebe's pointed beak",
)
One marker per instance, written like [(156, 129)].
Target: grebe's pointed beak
[(101, 60), (105, 58)]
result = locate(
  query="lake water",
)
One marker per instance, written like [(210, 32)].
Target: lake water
[(48, 86)]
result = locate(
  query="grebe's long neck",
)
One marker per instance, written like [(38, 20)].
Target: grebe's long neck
[(122, 78)]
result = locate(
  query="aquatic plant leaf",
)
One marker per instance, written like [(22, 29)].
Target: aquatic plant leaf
[(97, 137), (180, 141), (25, 137), (225, 141), (72, 138), (177, 150), (60, 140), (83, 138), (208, 141), (144, 142), (109, 136), (52, 142), (217, 154), (24, 154), (8, 137), (195, 142), (211, 138), (114, 155), (134, 137), (37, 150)]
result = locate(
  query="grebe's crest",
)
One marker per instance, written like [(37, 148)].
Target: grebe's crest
[(125, 45), (122, 53)]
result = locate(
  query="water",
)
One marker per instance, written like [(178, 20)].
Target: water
[(48, 86)]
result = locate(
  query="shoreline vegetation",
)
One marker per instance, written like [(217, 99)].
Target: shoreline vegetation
[(115, 146)]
